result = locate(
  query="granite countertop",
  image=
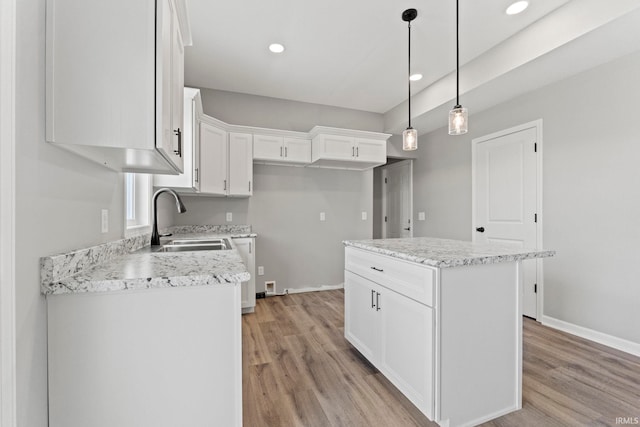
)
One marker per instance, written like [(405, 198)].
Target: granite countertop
[(129, 264), (444, 253)]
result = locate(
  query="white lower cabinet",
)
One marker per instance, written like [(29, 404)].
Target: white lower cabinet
[(395, 333), (246, 246), (155, 357)]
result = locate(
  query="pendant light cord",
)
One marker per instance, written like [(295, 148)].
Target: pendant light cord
[(409, 74), (457, 61)]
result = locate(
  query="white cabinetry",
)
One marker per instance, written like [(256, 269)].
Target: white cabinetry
[(213, 160), (392, 330), (226, 164), (114, 90), (272, 149), (450, 339), (240, 164), (246, 246), (189, 181), (155, 357), (347, 149)]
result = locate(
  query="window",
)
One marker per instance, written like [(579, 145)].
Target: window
[(137, 196)]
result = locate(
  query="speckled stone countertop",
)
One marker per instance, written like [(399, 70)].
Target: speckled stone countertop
[(444, 253), (128, 265)]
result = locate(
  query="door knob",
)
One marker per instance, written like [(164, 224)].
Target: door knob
[(408, 228), (480, 229)]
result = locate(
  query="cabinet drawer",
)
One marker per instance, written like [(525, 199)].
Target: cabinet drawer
[(409, 279)]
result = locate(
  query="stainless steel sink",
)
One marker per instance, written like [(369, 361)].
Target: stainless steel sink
[(184, 245)]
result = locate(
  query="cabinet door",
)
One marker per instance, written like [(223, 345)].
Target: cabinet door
[(333, 147), (188, 181), (177, 94), (406, 356), (240, 164), (246, 248), (266, 147), (371, 150), (164, 139), (361, 320), (213, 160), (297, 150)]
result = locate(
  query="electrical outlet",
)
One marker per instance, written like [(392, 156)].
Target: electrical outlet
[(270, 287), (364, 215), (260, 270), (105, 220), (322, 216), (229, 216), (421, 216)]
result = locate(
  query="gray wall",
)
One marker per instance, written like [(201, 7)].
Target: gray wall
[(295, 248), (59, 197), (591, 191)]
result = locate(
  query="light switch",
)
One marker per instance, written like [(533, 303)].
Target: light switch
[(229, 216), (322, 216), (421, 216), (364, 215), (260, 270)]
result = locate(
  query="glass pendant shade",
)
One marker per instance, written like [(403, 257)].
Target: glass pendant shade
[(458, 120), (410, 139)]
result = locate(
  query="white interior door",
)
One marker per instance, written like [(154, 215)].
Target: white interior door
[(505, 176), (397, 200)]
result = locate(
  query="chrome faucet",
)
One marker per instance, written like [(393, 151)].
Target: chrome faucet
[(155, 237)]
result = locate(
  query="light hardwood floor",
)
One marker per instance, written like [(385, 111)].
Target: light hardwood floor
[(298, 370)]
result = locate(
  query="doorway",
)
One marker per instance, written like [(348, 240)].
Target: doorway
[(507, 199), (393, 187)]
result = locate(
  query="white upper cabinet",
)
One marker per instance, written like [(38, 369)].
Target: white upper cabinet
[(240, 164), (189, 180), (347, 149), (272, 149), (213, 160), (114, 90), (226, 163)]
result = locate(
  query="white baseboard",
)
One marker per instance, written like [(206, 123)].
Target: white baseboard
[(599, 337), (312, 289)]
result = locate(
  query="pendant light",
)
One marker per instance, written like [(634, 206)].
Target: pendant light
[(410, 135), (459, 116)]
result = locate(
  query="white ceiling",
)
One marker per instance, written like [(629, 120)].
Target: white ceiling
[(353, 53)]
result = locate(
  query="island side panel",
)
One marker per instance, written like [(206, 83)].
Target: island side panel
[(156, 357), (480, 343)]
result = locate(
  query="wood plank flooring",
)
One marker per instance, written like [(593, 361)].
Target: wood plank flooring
[(298, 370)]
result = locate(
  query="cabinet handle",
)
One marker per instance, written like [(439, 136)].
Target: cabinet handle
[(373, 304), (285, 151), (377, 269), (249, 247), (377, 301), (179, 150), (280, 151), (353, 152), (196, 174), (357, 151), (225, 185)]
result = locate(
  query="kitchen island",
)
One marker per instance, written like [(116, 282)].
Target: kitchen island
[(442, 320), (138, 337)]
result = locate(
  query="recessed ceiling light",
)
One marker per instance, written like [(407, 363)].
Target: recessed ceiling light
[(517, 7), (415, 77), (276, 48)]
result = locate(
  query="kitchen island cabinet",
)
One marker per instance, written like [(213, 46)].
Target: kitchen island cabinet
[(442, 320)]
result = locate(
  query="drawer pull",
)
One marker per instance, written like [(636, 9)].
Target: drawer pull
[(377, 269)]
